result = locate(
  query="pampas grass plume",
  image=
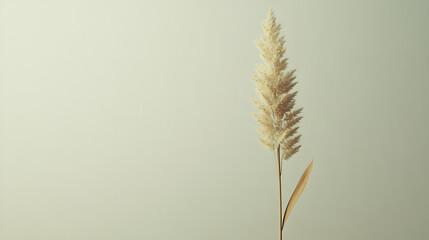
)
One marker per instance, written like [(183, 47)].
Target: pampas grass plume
[(277, 115)]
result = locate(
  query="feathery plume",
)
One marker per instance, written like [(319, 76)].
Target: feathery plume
[(277, 116)]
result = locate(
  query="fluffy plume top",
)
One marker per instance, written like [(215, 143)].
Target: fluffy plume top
[(277, 116)]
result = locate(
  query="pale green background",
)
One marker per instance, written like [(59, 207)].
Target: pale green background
[(131, 120)]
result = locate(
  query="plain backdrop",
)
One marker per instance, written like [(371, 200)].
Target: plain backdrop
[(132, 120)]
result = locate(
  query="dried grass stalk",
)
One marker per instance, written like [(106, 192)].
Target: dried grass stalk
[(277, 117)]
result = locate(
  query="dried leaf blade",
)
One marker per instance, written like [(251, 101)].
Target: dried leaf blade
[(297, 192)]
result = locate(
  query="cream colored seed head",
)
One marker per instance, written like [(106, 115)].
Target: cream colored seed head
[(277, 116)]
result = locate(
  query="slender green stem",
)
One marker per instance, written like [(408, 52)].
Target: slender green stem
[(280, 191)]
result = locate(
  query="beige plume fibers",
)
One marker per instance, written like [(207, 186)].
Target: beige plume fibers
[(277, 117)]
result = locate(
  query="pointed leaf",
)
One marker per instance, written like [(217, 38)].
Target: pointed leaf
[(298, 190)]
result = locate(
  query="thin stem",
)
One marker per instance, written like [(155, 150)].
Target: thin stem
[(280, 191)]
